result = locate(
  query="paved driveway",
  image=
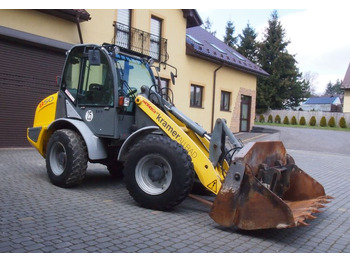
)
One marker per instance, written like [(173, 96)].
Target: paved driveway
[(100, 216)]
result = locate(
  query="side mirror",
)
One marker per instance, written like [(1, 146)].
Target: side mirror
[(94, 57)]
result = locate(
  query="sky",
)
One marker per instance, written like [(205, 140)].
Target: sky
[(319, 35)]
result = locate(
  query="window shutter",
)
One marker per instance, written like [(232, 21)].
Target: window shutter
[(155, 27), (124, 16)]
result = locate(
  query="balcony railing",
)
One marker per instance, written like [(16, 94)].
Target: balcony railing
[(141, 42)]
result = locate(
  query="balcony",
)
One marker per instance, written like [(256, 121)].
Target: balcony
[(141, 42)]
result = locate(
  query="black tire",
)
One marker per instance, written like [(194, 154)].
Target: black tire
[(158, 172), (66, 158)]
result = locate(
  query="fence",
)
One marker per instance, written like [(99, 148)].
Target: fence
[(307, 115)]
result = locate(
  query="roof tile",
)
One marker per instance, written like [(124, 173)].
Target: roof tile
[(209, 47)]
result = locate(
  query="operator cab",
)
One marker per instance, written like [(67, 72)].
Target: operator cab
[(100, 84)]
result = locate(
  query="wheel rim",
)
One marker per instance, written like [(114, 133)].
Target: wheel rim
[(153, 174), (58, 159)]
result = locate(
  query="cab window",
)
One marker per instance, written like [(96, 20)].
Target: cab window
[(88, 84)]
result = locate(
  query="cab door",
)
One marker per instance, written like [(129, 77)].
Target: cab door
[(96, 96), (89, 85)]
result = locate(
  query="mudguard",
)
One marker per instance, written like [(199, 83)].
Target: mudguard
[(95, 146)]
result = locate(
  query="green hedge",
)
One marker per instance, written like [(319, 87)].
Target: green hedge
[(278, 119), (261, 119), (312, 121), (286, 120), (269, 119), (342, 122), (323, 121), (331, 122)]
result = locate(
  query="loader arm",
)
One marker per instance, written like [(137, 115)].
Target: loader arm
[(197, 147)]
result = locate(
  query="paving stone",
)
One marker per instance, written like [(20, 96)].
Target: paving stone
[(100, 216)]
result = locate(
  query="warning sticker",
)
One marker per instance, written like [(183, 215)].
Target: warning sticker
[(213, 185)]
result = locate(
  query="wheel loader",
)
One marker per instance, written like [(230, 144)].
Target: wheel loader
[(110, 110)]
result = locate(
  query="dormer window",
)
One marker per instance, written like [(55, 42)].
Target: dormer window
[(219, 49), (194, 39)]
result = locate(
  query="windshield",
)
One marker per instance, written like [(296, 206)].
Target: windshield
[(134, 71)]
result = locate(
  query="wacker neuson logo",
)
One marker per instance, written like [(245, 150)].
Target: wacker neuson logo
[(168, 128)]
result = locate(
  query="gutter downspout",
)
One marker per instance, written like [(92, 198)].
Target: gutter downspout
[(213, 103), (79, 30)]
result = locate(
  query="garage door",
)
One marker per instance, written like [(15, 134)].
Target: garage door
[(27, 75)]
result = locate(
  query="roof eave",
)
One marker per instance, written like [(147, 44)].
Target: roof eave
[(192, 17), (71, 15)]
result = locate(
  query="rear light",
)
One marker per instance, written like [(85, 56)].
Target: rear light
[(124, 101)]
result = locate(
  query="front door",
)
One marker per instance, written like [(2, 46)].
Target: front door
[(245, 113)]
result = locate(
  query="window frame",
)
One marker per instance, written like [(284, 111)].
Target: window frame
[(224, 99), (193, 98)]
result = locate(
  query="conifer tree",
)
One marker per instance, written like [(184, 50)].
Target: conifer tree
[(229, 39), (207, 26), (248, 45), (285, 86), (334, 89)]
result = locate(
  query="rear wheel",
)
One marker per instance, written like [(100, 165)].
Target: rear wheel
[(66, 158), (158, 172)]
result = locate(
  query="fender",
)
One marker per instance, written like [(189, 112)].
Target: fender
[(132, 138), (95, 146)]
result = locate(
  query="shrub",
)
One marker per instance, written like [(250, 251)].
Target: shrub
[(278, 119), (323, 121), (302, 121), (269, 119), (286, 120), (312, 121), (342, 122), (261, 119), (293, 121), (331, 122)]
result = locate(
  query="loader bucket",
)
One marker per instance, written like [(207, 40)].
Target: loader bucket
[(265, 189)]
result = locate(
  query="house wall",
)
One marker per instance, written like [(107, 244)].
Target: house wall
[(40, 24), (346, 103), (317, 107)]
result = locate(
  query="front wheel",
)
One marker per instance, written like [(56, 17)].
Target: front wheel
[(66, 158), (158, 172)]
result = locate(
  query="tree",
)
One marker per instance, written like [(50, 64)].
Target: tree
[(248, 45), (285, 86), (311, 77), (207, 26), (229, 39), (334, 89)]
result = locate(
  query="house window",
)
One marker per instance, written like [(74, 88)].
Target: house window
[(196, 96), (225, 101), (123, 28), (156, 28)]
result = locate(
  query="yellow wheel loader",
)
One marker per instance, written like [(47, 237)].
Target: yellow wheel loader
[(110, 110)]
